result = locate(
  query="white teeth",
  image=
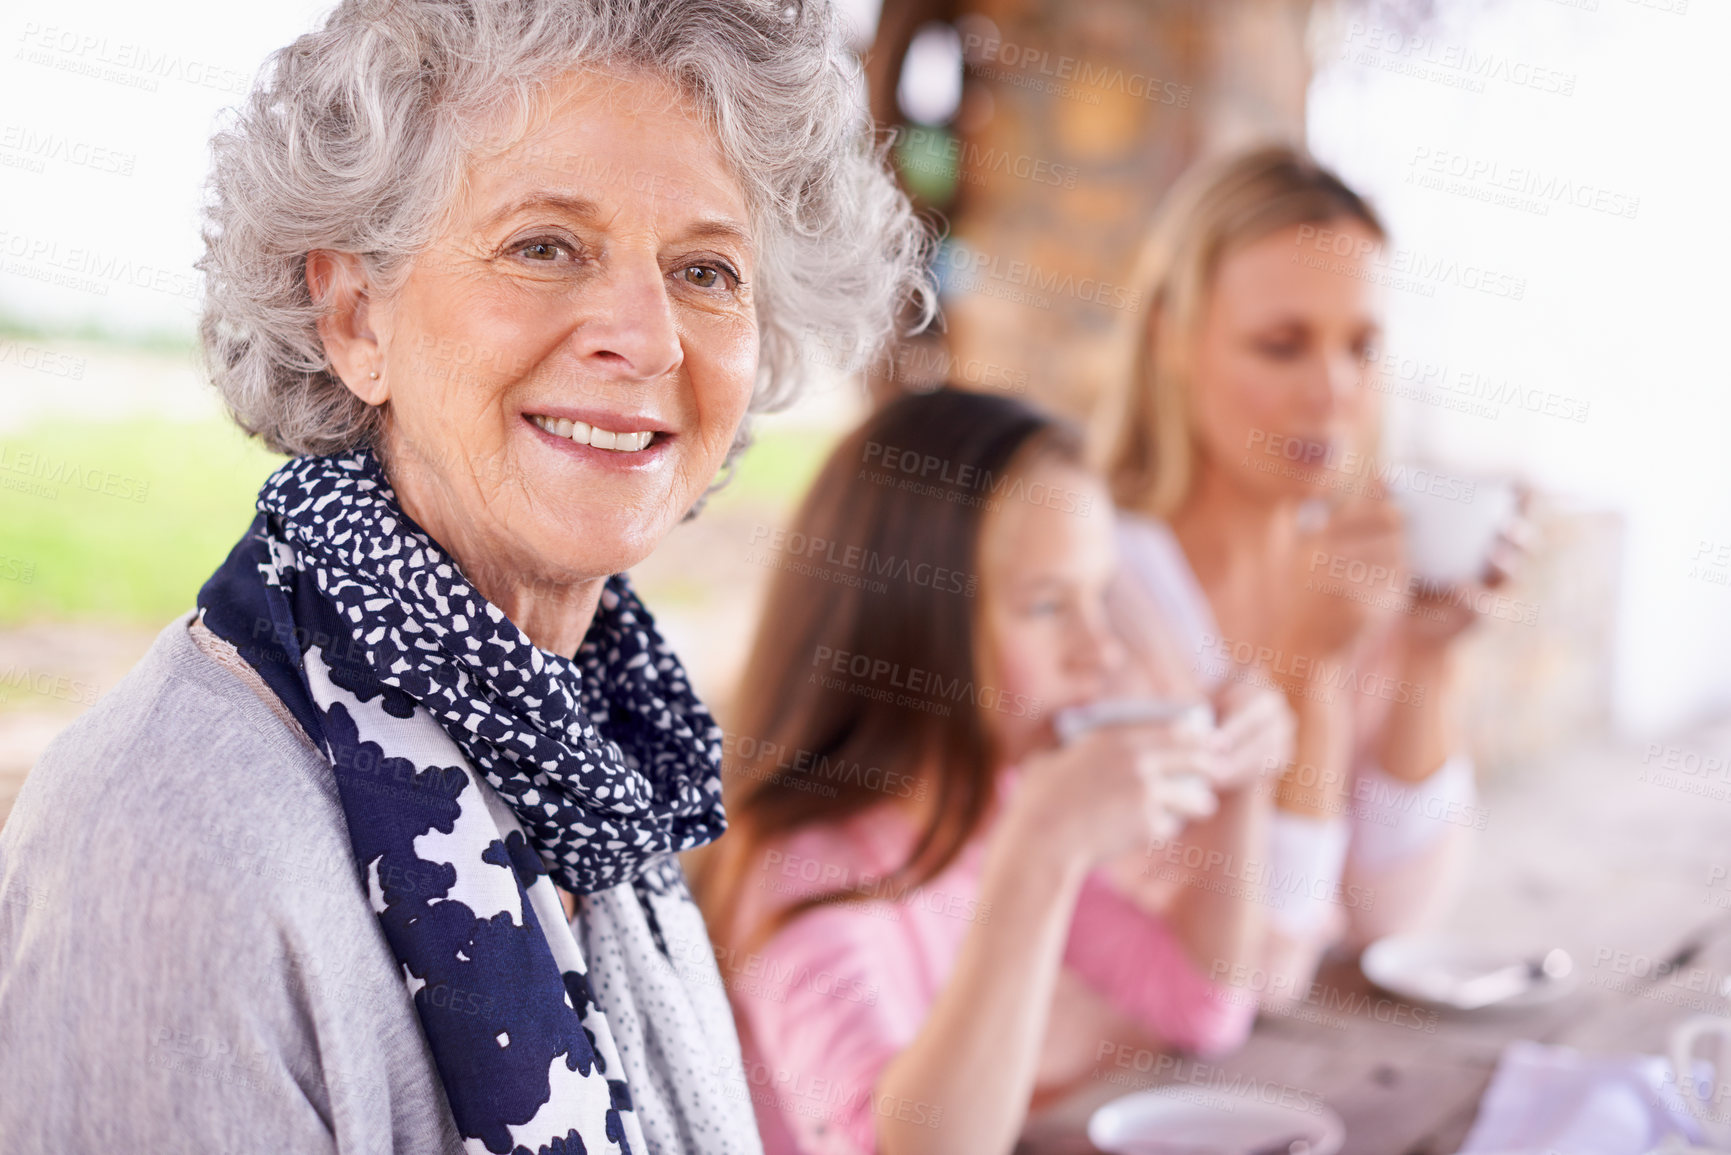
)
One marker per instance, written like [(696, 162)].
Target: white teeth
[(585, 434)]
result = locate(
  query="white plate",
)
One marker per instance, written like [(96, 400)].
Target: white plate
[(1411, 965), (1179, 1119)]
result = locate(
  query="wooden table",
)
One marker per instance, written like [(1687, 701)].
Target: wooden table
[(1588, 854)]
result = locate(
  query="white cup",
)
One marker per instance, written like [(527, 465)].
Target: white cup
[(1193, 792), (1709, 1102), (1075, 721), (1449, 535)]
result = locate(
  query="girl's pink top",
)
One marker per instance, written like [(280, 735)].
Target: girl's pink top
[(837, 993)]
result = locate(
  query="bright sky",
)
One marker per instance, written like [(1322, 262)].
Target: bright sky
[(105, 112), (1618, 105)]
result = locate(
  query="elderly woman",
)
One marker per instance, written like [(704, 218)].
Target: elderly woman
[(375, 851)]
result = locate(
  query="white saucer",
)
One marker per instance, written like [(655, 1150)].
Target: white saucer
[(1421, 967), (1178, 1119)]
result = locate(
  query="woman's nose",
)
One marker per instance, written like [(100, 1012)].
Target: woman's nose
[(1099, 652), (1345, 376), (1330, 384), (626, 326)]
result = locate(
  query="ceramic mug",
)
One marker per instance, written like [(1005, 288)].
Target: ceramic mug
[(1709, 1101), (1450, 530)]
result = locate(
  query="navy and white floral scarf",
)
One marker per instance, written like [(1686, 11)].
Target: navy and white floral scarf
[(600, 768)]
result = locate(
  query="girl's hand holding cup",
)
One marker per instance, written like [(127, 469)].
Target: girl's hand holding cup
[(1255, 736), (1122, 779)]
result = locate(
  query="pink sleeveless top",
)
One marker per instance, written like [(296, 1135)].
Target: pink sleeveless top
[(836, 994)]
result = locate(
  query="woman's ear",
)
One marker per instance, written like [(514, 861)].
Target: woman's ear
[(339, 286)]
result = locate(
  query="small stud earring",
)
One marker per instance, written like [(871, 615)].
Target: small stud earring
[(374, 375)]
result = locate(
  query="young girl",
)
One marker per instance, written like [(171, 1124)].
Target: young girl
[(1240, 446), (909, 905)]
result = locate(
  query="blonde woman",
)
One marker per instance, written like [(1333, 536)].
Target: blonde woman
[(1240, 447)]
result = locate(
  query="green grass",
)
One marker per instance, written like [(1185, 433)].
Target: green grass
[(178, 342), (120, 522), (777, 469), (178, 498)]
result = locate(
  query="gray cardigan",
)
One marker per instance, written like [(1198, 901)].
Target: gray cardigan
[(156, 929), (188, 959)]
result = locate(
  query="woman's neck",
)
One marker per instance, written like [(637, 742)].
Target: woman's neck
[(1240, 544)]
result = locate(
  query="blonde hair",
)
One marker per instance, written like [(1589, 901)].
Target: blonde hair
[(1141, 436)]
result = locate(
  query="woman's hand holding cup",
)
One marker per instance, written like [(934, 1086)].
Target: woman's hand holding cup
[(1450, 597)]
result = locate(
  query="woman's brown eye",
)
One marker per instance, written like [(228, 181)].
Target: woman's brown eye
[(542, 250), (703, 276)]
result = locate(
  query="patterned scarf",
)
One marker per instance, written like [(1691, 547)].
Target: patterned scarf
[(411, 683)]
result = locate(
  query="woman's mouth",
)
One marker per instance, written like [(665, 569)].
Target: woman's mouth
[(584, 433)]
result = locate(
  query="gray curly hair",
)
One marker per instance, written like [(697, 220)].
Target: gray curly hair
[(356, 137)]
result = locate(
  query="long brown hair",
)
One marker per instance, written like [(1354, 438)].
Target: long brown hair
[(879, 565), (1141, 435)]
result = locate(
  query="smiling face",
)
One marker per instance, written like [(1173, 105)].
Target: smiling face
[(567, 363), (1043, 627), (1282, 360)]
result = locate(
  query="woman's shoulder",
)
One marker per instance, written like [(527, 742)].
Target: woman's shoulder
[(1147, 538), (831, 855), (180, 767), (1149, 550), (177, 889), (853, 854)]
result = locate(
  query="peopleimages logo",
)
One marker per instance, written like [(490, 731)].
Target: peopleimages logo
[(1334, 1000), (126, 62), (973, 163), (967, 267), (49, 470), (924, 363), (1457, 65), (1396, 588), (39, 147), (1052, 72), (1469, 390), (1261, 879), (42, 360), (911, 686), (47, 684), (816, 875), (866, 562), (1170, 1070), (1532, 188), (802, 769), (1220, 655), (1408, 270), (1325, 460), (91, 270), (935, 476)]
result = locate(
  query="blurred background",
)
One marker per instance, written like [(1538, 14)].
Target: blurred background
[(1550, 170)]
